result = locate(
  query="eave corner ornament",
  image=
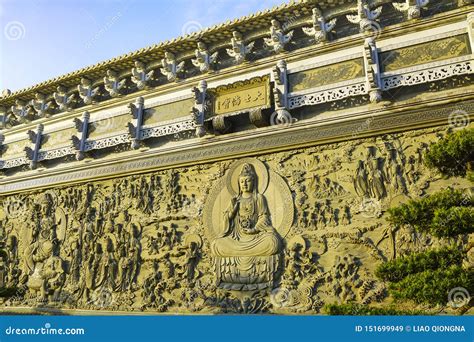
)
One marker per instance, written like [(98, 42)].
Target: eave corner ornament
[(320, 27), (247, 215), (239, 51), (278, 39)]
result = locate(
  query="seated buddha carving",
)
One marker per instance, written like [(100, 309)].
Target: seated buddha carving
[(247, 250)]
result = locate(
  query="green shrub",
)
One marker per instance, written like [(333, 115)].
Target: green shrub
[(433, 286), (452, 221), (400, 268), (353, 309), (434, 213), (453, 154)]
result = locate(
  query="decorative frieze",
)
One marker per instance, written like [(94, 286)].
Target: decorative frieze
[(22, 111), (36, 138), (42, 105), (278, 38), (107, 142), (201, 107), (239, 50), (141, 76), (204, 59), (113, 84), (79, 142), (428, 75), (170, 67), (321, 27), (327, 95), (411, 7), (64, 100), (366, 17), (134, 127)]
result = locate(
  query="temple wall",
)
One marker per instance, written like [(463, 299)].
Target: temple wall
[(156, 242)]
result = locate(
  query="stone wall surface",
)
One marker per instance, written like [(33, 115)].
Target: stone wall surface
[(285, 232)]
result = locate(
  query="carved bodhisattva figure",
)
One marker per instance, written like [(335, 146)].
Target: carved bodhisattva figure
[(247, 251)]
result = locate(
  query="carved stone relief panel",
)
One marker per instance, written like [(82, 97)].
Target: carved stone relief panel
[(328, 74), (285, 232), (434, 51), (169, 111)]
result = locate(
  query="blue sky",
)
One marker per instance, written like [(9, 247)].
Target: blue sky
[(42, 39)]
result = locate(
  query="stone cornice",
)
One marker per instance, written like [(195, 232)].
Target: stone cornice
[(265, 140)]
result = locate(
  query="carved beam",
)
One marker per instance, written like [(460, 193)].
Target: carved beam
[(320, 28), (372, 67), (412, 7), (36, 139), (278, 39), (465, 2), (257, 118), (82, 127), (135, 127), (470, 27), (22, 111), (2, 140), (113, 84), (141, 76), (198, 111), (221, 124), (64, 101), (5, 118), (41, 105), (86, 91), (280, 92)]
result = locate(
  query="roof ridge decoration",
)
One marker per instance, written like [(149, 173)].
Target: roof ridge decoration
[(109, 79)]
